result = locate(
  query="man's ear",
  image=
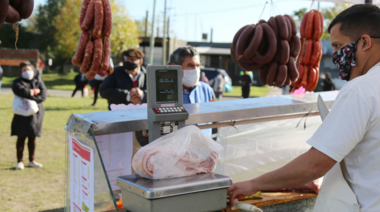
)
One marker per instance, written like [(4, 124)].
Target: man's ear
[(141, 62), (366, 42)]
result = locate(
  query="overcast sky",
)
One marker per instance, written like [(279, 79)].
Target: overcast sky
[(189, 19)]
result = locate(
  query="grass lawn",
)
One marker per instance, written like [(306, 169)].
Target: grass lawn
[(255, 91), (52, 81), (38, 189)]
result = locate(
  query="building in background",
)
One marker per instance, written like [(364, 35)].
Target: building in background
[(10, 59)]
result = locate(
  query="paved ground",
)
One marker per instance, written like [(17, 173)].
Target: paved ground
[(66, 93)]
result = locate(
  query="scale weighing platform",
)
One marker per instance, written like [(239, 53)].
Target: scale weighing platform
[(166, 113), (201, 192)]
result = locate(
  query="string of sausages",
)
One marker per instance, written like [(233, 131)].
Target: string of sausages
[(311, 52), (270, 47), (94, 46), (12, 11)]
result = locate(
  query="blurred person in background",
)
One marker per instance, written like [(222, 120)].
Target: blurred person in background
[(1, 75), (80, 81), (204, 78), (97, 82), (30, 87), (218, 86), (328, 83), (246, 83), (128, 82)]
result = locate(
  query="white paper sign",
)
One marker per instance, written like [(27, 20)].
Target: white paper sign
[(81, 176), (116, 151)]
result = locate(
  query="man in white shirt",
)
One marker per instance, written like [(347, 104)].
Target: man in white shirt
[(351, 131)]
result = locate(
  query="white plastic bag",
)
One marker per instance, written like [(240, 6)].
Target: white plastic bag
[(24, 107), (184, 152)]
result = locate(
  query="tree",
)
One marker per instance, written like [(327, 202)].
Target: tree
[(45, 25), (124, 29), (329, 14), (8, 37), (298, 15)]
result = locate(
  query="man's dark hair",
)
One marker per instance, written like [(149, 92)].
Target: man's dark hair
[(358, 20), (179, 54), (25, 63)]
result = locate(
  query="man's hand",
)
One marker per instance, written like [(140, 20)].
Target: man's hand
[(240, 190), (136, 92), (135, 100), (37, 91)]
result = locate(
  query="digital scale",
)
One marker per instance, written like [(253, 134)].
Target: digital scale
[(166, 113)]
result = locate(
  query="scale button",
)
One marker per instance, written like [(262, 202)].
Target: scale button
[(160, 109)]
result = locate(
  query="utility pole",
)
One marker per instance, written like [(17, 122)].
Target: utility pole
[(151, 47), (146, 24), (211, 35), (164, 39)]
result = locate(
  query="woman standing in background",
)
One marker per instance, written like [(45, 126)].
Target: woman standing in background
[(30, 87)]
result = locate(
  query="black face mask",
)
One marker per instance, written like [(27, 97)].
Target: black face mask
[(129, 66)]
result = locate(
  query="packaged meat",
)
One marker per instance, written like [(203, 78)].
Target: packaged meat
[(184, 152)]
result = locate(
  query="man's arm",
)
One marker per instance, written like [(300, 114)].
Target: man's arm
[(304, 169), (109, 90)]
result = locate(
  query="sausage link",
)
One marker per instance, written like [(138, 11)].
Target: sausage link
[(316, 79), (300, 75), (262, 21), (272, 73), (25, 8), (243, 40), (305, 76), (14, 3), (88, 53), (317, 64), (106, 54), (90, 75), (79, 54), (4, 6), (283, 52), (317, 45), (255, 42), (310, 79), (307, 52), (292, 23), (234, 41), (309, 25), (89, 17), (282, 73), (288, 81), (110, 70), (271, 48), (107, 25), (97, 57), (83, 11), (303, 25), (292, 70), (98, 19), (289, 25), (296, 46), (272, 23), (318, 25), (250, 66), (282, 27), (264, 74), (13, 15)]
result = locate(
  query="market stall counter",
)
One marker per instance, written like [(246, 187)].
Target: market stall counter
[(258, 135)]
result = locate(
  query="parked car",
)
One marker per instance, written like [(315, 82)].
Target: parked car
[(211, 73)]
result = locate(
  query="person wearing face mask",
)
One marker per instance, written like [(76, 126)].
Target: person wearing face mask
[(29, 87), (194, 91), (128, 82), (349, 136)]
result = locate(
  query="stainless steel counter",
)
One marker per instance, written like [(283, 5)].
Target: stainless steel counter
[(110, 122)]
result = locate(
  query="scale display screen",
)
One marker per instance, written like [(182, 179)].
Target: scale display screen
[(166, 86)]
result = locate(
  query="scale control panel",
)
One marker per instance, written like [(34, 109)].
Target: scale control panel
[(169, 110)]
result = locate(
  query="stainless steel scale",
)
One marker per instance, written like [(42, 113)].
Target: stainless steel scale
[(197, 193)]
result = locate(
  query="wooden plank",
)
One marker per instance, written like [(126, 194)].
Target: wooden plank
[(272, 198)]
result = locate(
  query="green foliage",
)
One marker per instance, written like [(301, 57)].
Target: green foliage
[(298, 15), (124, 29), (329, 14), (8, 37)]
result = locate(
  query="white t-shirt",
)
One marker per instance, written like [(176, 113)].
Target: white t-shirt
[(351, 131)]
